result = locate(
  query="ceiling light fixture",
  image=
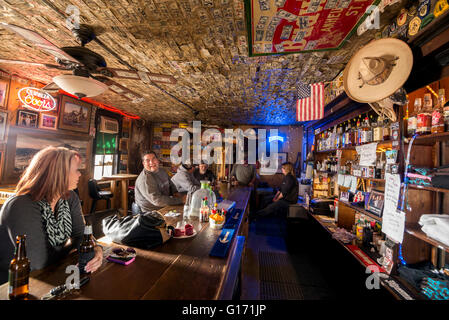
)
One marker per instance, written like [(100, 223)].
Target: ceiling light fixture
[(80, 86)]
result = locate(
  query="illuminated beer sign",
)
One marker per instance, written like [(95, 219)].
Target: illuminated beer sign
[(36, 99)]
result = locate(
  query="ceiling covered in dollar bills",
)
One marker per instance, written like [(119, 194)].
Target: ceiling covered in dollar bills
[(202, 43)]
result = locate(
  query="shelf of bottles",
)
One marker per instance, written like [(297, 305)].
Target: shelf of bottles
[(351, 133), (430, 118)]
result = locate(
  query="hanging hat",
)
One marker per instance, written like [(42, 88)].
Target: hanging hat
[(377, 70)]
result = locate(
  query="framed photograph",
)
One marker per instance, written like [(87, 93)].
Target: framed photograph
[(376, 202), (47, 121), (3, 122), (27, 146), (74, 114), (28, 119), (3, 93)]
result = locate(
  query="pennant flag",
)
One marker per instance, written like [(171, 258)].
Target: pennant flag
[(310, 104)]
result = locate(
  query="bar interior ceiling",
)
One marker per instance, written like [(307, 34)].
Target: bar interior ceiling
[(203, 44)]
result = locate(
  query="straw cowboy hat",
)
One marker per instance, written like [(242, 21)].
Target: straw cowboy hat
[(377, 70)]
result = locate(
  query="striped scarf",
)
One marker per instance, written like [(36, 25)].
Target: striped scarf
[(59, 226)]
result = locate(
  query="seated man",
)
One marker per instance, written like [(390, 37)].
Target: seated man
[(288, 194), (203, 173), (243, 174), (154, 188), (184, 180)]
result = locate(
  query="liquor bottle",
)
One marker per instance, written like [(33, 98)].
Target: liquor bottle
[(386, 130), (424, 116), (343, 135), (368, 131), (412, 121), (377, 130), (437, 114), (338, 137), (19, 271), (87, 248), (446, 116), (358, 132), (354, 133)]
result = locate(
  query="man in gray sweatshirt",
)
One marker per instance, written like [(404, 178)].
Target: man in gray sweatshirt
[(184, 179), (154, 188)]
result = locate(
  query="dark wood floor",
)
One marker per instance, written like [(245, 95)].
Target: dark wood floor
[(276, 267)]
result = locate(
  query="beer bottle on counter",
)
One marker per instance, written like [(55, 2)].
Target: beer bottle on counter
[(19, 271), (87, 248)]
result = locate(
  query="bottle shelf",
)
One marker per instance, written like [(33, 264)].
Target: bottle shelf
[(415, 230), (429, 139), (379, 144)]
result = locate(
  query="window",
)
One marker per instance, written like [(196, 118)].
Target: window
[(105, 155)]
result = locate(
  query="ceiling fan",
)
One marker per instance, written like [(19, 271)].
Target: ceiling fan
[(90, 74)]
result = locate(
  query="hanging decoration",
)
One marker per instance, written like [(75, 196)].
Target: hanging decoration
[(291, 26)]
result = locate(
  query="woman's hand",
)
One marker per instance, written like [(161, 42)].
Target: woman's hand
[(96, 261)]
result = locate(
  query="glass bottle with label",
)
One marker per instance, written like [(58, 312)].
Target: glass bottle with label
[(359, 131), (378, 130), (413, 118), (437, 114), (386, 129), (369, 129), (19, 271), (86, 249), (424, 116), (446, 116)]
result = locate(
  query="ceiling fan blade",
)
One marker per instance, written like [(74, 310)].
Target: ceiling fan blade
[(51, 87), (37, 64), (146, 77), (119, 89), (40, 42)]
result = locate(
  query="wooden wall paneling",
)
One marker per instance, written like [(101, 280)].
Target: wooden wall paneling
[(140, 140), (346, 216), (420, 202), (421, 156), (415, 250)]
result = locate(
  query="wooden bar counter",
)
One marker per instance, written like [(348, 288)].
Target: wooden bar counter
[(178, 269)]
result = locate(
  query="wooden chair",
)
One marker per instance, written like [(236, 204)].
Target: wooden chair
[(97, 194)]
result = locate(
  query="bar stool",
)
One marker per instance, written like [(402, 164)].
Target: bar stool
[(97, 194)]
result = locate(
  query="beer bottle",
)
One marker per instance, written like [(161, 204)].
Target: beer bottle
[(19, 271), (86, 251)]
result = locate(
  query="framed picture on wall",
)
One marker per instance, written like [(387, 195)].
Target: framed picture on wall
[(28, 119), (74, 114), (3, 93), (48, 121), (3, 122)]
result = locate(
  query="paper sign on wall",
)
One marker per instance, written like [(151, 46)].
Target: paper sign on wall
[(393, 220), (367, 154)]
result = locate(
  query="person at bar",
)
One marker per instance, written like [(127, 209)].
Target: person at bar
[(47, 210), (243, 174), (288, 194), (153, 188), (203, 173), (184, 180)]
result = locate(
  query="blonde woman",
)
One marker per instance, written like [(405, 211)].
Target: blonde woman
[(47, 210), (288, 194)]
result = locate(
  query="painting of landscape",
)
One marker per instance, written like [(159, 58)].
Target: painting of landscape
[(27, 146)]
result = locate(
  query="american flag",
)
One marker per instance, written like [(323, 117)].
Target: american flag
[(310, 103)]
